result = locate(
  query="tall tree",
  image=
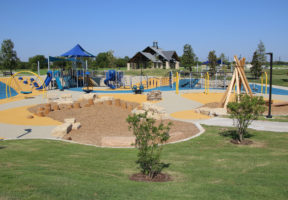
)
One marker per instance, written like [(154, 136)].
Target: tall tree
[(105, 60), (33, 62), (223, 58), (256, 68), (8, 56), (261, 53), (188, 57), (212, 59)]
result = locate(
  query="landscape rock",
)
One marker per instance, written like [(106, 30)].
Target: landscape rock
[(76, 126), (61, 130)]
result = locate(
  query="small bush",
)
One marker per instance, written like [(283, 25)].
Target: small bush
[(148, 138), (244, 111)]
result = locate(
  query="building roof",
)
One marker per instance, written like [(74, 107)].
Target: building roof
[(155, 54)]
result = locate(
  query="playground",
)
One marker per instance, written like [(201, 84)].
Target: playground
[(45, 117)]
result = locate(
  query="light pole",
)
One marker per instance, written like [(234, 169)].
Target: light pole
[(270, 89)]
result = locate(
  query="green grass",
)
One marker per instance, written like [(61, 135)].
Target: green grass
[(279, 77), (207, 167)]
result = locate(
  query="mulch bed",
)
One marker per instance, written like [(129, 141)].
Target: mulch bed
[(100, 120), (158, 178)]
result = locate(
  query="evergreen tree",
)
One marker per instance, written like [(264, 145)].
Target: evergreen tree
[(256, 68), (8, 56), (188, 57), (212, 59), (261, 53)]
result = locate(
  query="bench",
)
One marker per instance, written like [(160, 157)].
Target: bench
[(7, 73)]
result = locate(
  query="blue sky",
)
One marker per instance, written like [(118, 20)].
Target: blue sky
[(127, 26)]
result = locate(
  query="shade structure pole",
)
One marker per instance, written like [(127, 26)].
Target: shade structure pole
[(86, 65), (48, 63), (38, 67)]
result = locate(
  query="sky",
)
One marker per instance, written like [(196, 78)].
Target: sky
[(50, 28)]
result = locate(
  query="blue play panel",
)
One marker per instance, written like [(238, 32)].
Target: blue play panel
[(3, 91)]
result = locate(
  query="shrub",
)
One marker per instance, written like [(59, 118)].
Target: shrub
[(148, 139), (244, 110)]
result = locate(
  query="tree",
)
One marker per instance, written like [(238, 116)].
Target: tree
[(121, 62), (256, 68), (148, 137), (105, 60), (188, 57), (212, 59), (245, 111), (261, 53), (8, 56), (33, 62), (223, 58)]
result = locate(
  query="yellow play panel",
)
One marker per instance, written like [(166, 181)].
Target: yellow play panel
[(188, 114), (18, 116), (137, 98), (206, 98)]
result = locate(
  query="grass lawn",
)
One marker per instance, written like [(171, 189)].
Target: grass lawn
[(207, 167), (279, 77)]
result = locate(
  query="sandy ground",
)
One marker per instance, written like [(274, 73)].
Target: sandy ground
[(102, 120)]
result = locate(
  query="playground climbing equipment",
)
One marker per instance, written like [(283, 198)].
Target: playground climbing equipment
[(25, 86), (238, 79)]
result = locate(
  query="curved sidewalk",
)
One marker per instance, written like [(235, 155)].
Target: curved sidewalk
[(257, 125)]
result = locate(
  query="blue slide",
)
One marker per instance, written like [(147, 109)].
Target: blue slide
[(57, 75), (47, 80), (110, 76)]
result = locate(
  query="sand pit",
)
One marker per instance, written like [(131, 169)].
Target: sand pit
[(101, 124)]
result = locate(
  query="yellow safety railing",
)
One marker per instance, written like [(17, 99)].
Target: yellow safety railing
[(177, 83), (266, 81)]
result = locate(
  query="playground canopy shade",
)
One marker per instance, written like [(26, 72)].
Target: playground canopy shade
[(77, 51)]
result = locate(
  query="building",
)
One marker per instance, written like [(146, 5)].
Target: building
[(154, 57)]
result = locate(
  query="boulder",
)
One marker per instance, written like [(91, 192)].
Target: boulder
[(88, 96), (76, 126), (61, 130)]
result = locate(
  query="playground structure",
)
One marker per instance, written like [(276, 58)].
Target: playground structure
[(238, 79), (114, 79), (27, 85)]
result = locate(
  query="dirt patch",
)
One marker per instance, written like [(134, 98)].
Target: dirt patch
[(244, 142), (105, 121), (144, 178), (280, 110)]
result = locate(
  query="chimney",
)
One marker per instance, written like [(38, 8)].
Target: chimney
[(155, 44)]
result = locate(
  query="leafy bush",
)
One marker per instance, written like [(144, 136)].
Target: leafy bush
[(244, 110), (148, 137)]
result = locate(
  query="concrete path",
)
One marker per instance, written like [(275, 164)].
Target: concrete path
[(11, 131), (174, 103), (257, 125)]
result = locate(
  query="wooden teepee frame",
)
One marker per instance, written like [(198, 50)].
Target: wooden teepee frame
[(238, 78)]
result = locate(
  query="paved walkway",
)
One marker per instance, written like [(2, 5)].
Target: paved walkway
[(257, 125), (174, 103)]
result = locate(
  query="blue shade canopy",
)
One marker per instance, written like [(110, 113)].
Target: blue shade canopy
[(77, 51)]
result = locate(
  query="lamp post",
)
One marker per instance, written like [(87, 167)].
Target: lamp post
[(270, 89)]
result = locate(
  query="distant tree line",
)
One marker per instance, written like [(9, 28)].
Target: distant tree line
[(10, 61)]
